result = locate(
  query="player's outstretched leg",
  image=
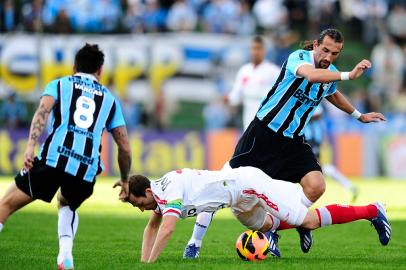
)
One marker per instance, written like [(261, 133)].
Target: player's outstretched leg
[(338, 214), (203, 221), (13, 200)]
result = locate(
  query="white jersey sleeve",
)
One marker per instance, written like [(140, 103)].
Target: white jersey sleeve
[(168, 193)]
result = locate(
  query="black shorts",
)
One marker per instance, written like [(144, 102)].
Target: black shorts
[(43, 181), (315, 148), (278, 156)]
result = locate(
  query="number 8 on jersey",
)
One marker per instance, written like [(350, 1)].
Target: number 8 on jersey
[(83, 115)]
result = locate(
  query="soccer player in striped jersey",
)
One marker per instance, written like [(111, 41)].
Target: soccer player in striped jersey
[(249, 192), (314, 133), (77, 109), (274, 140)]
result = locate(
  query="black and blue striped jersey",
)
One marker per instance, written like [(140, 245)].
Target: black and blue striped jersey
[(292, 100), (83, 109)]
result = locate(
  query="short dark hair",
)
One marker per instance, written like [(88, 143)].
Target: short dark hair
[(137, 184), (89, 59), (335, 34), (259, 40)]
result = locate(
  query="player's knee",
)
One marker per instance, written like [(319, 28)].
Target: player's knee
[(315, 190)]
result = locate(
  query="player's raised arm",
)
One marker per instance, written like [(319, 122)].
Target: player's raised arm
[(341, 102), (320, 75), (38, 124), (150, 233), (164, 234)]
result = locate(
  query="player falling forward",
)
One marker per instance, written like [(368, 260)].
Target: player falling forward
[(249, 192), (79, 108), (251, 84), (313, 133)]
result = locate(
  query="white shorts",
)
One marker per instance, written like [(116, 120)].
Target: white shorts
[(258, 194)]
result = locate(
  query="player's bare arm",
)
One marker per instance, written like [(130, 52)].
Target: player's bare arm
[(320, 75), (164, 234), (150, 233), (341, 102), (124, 158), (37, 127)]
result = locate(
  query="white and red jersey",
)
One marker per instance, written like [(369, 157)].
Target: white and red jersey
[(185, 193), (251, 86)]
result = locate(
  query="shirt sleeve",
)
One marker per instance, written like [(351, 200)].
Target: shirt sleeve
[(116, 118), (297, 59), (171, 205), (173, 208), (235, 95), (51, 90), (332, 89)]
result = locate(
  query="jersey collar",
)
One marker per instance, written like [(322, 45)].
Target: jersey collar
[(86, 75)]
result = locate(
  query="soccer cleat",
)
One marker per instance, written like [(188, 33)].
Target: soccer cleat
[(67, 264), (191, 252), (273, 238), (382, 225), (306, 239)]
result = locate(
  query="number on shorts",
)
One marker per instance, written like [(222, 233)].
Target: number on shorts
[(83, 115)]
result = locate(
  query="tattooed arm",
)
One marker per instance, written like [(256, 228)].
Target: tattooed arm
[(124, 159), (38, 124)]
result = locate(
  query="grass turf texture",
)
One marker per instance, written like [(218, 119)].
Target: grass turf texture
[(110, 235)]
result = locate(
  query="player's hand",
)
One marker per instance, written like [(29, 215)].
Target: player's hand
[(123, 195), (359, 69), (28, 158), (372, 117)]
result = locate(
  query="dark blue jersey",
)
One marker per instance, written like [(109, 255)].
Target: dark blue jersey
[(83, 109), (292, 100)]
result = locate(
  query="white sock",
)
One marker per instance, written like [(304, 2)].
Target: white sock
[(67, 226), (1, 227), (332, 171), (203, 220), (308, 203)]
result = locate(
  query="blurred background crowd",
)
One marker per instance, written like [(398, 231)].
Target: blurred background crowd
[(374, 29)]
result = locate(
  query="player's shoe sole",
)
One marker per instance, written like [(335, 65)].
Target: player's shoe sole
[(191, 252), (382, 225), (306, 239)]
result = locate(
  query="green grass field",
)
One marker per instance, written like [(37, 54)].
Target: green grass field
[(110, 235)]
